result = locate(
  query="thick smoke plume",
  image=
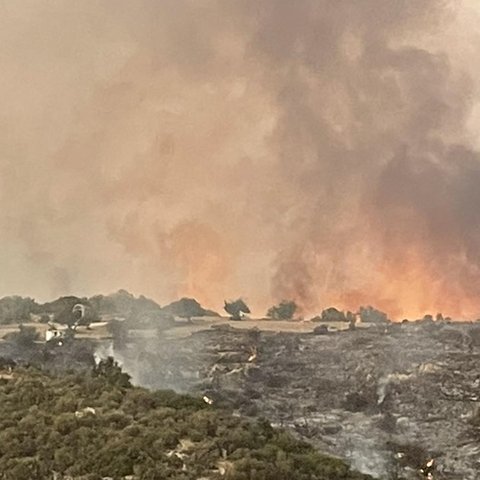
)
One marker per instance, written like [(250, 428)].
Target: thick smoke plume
[(315, 150)]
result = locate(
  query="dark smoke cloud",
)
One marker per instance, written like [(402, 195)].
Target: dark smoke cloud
[(316, 150)]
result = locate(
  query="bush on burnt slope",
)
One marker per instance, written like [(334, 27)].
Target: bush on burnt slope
[(89, 426)]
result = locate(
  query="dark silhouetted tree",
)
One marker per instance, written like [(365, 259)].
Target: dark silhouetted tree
[(333, 315), (372, 315), (236, 309), (285, 310), (187, 308)]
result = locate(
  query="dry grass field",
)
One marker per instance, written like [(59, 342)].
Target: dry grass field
[(205, 323), (184, 329)]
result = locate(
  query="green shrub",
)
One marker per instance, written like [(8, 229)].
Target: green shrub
[(131, 431)]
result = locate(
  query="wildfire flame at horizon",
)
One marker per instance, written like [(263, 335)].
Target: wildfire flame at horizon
[(323, 152)]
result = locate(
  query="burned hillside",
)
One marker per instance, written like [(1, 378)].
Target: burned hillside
[(389, 399)]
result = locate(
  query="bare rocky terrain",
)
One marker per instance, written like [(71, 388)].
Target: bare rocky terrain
[(388, 399)]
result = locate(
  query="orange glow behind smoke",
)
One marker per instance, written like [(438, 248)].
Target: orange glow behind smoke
[(399, 273), (305, 151), (410, 288), (200, 253)]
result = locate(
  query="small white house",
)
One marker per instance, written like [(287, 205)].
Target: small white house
[(53, 333)]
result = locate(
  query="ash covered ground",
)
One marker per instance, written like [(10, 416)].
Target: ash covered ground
[(388, 399)]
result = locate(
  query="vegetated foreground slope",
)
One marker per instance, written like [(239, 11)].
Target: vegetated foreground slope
[(95, 424)]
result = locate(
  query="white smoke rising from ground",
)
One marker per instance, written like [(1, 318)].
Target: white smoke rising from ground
[(106, 350), (103, 351)]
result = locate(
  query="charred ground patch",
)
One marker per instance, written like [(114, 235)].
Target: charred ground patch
[(372, 396)]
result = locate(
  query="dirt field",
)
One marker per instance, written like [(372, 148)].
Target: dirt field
[(99, 330), (206, 323)]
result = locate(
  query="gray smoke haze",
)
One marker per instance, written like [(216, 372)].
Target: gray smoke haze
[(316, 150)]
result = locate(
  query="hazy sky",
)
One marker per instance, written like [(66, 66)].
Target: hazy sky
[(324, 151)]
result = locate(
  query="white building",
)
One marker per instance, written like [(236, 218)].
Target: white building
[(52, 333)]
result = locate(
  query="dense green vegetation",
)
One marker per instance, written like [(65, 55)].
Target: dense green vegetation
[(16, 309), (94, 425), (139, 312)]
